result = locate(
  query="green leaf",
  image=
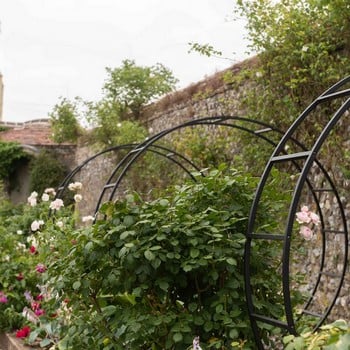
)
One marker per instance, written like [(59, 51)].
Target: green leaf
[(128, 220), (149, 255), (219, 308), (177, 337), (234, 333), (194, 253), (109, 310), (76, 285), (164, 202), (45, 342), (163, 285), (232, 261)]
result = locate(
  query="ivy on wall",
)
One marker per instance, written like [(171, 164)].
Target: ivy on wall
[(46, 171), (10, 154)]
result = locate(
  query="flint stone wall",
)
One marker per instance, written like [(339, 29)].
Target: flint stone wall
[(202, 100)]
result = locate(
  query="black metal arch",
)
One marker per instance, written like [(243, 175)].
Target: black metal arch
[(256, 128), (309, 158), (156, 149)]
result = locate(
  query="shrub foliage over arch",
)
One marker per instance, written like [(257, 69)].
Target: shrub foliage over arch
[(155, 274)]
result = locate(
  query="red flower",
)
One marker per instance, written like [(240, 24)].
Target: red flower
[(39, 297), (20, 276), (39, 312), (32, 249), (35, 306), (23, 332), (40, 268)]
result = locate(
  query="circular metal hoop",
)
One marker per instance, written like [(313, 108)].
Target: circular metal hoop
[(310, 160)]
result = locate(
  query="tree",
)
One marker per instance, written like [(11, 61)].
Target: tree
[(64, 121), (134, 86)]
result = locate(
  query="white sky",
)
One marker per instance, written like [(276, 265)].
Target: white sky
[(53, 48)]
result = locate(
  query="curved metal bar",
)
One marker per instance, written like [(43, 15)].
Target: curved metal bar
[(63, 186), (329, 94), (129, 159), (297, 193)]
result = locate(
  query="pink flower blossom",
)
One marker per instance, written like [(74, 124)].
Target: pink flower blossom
[(40, 268), (35, 226), (303, 217), (57, 204), (306, 232), (3, 298), (32, 249), (35, 305), (39, 312), (51, 191), (305, 208), (314, 218)]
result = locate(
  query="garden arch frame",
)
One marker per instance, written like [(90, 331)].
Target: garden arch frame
[(309, 156), (262, 131)]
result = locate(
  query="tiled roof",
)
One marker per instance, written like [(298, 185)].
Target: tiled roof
[(36, 132)]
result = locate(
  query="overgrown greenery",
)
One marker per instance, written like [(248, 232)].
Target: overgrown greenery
[(303, 48), (46, 171), (134, 86), (10, 154), (334, 336), (64, 121), (152, 275), (115, 118)]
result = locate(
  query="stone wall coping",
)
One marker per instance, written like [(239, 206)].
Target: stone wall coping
[(10, 342), (29, 122)]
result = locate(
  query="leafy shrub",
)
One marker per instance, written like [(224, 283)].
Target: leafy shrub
[(64, 121), (330, 337), (46, 171), (10, 154), (153, 275)]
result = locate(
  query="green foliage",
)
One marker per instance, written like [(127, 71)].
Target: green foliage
[(64, 121), (134, 86), (110, 129), (303, 48), (204, 49), (155, 274), (334, 336), (46, 171), (10, 154), (20, 281)]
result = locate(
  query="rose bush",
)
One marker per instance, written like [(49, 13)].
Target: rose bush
[(146, 275)]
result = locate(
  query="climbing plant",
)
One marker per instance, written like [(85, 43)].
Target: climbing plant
[(10, 154), (46, 171), (303, 47)]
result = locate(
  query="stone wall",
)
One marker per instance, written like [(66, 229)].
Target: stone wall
[(212, 98)]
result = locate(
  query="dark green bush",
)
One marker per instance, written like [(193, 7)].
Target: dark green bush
[(46, 171), (154, 275)]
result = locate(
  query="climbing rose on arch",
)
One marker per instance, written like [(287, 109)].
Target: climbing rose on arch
[(307, 219)]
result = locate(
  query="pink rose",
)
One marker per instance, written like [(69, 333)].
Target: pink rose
[(40, 268), (57, 204), (306, 232), (314, 218), (303, 217), (305, 208), (3, 298)]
